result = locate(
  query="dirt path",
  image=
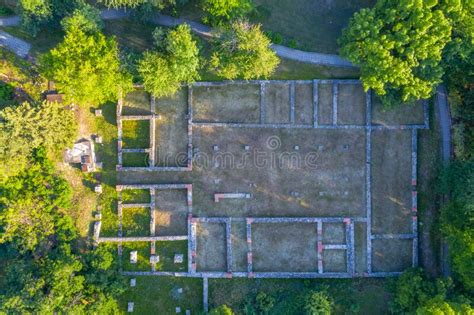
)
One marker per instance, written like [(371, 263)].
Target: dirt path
[(165, 20)]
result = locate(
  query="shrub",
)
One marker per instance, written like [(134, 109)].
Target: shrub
[(318, 303), (264, 302), (6, 91), (222, 310)]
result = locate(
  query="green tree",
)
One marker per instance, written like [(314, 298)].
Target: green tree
[(34, 13), (86, 18), (38, 13), (243, 51), (121, 3), (85, 65), (456, 219), (458, 59), (438, 306), (26, 127), (411, 290), (176, 61), (317, 303), (136, 3), (222, 310), (220, 11), (398, 46)]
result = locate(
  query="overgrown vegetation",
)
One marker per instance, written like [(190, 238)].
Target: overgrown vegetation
[(414, 293), (27, 127), (44, 272)]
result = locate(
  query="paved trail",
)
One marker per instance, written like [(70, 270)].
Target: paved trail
[(445, 124), (201, 29), (16, 45)]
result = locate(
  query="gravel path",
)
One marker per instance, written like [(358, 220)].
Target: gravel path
[(16, 45), (165, 20), (10, 21), (445, 124)]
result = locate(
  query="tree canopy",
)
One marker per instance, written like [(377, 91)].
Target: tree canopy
[(43, 274), (398, 46), (37, 13), (175, 61), (456, 219), (26, 127), (225, 10), (243, 51), (136, 3), (318, 303), (415, 293), (85, 65)]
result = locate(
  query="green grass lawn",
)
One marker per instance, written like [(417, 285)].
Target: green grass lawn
[(159, 295), (135, 222), (312, 25), (136, 196), (143, 261), (129, 34), (135, 159), (136, 134), (166, 250)]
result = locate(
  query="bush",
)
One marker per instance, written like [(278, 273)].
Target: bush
[(318, 303), (6, 91), (222, 310), (264, 302), (456, 219)]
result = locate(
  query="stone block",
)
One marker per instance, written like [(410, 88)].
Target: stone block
[(130, 307), (98, 189), (133, 282), (133, 257), (178, 258)]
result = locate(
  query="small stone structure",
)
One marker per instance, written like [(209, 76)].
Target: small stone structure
[(219, 196), (98, 189), (133, 257), (133, 282), (154, 259), (98, 112), (178, 258), (82, 153), (130, 307)]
